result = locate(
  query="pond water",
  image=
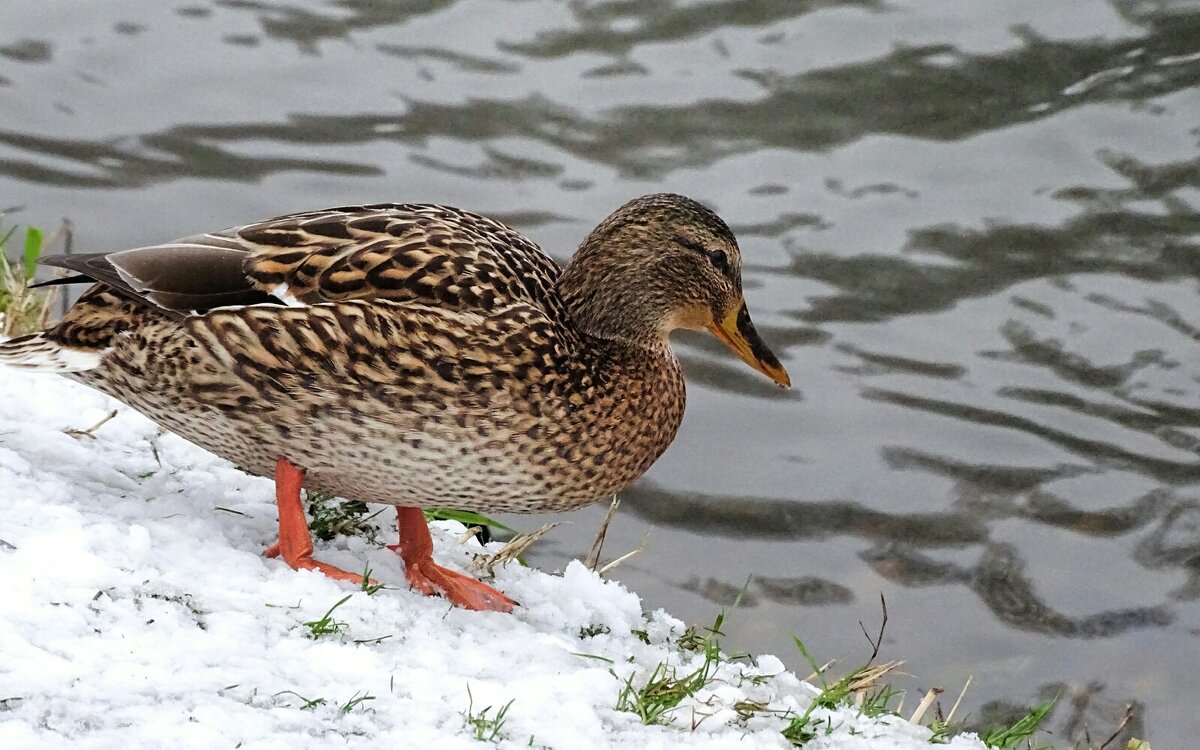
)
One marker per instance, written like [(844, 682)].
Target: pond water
[(970, 230)]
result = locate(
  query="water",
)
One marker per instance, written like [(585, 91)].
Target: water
[(971, 233)]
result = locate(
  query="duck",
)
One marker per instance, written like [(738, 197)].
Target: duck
[(416, 355)]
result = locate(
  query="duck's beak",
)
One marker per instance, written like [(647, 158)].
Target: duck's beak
[(737, 332)]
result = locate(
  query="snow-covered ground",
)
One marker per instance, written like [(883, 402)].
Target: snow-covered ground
[(136, 611)]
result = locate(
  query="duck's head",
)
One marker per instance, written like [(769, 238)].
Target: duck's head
[(658, 263)]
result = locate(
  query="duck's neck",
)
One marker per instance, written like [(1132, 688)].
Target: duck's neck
[(604, 302)]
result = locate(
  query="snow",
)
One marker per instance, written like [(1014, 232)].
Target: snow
[(136, 611)]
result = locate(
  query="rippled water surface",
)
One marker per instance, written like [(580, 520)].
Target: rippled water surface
[(971, 232)]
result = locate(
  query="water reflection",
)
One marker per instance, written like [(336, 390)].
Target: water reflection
[(154, 158), (27, 51), (1082, 716), (839, 105), (999, 581), (1175, 543), (764, 518), (465, 62), (1098, 451), (308, 27), (617, 27), (879, 287), (802, 591), (897, 541)]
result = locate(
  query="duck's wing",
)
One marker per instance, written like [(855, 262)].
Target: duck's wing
[(435, 255), (432, 255)]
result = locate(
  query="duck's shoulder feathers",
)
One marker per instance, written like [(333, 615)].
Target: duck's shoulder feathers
[(434, 255)]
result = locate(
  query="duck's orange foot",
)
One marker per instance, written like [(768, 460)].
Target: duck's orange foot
[(431, 579), (295, 543), (415, 547), (306, 562)]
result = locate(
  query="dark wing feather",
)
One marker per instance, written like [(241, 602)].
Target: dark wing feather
[(92, 266), (63, 281), (177, 277)]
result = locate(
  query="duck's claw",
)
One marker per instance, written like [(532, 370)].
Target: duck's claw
[(306, 562)]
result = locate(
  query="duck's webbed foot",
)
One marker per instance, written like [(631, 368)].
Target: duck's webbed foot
[(415, 547)]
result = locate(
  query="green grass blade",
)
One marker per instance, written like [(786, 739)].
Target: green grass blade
[(465, 517), (33, 250), (1007, 738)]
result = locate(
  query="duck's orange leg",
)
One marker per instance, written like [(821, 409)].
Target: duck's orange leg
[(295, 543), (415, 547)]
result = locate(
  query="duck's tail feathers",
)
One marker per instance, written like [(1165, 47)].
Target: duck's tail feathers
[(37, 351)]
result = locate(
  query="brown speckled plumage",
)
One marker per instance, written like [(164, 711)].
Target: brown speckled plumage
[(412, 354)]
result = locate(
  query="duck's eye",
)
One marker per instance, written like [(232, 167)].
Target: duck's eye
[(717, 257), (719, 260)]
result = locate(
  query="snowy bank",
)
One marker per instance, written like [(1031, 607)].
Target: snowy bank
[(137, 611)]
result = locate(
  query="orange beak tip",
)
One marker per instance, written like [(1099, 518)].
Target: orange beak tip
[(737, 332)]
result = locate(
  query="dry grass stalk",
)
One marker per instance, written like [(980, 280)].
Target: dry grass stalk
[(27, 310), (924, 705), (625, 556), (470, 533), (513, 549), (877, 641), (593, 557), (823, 669), (1120, 727), (91, 431), (869, 677), (957, 703)]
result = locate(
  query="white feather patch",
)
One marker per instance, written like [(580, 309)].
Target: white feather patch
[(41, 354), (284, 293)]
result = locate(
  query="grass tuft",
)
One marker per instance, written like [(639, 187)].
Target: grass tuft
[(333, 517), (368, 585), (312, 704), (1008, 738), (483, 727), (22, 310), (865, 690), (466, 518), (308, 704), (591, 631), (326, 625), (356, 700), (665, 689), (861, 688)]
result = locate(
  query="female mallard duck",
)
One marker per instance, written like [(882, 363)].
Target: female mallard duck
[(409, 354)]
